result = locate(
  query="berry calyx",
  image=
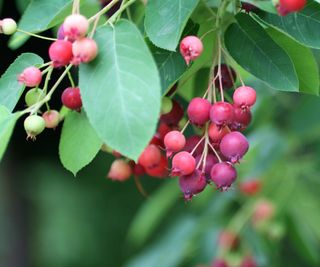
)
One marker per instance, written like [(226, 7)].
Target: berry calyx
[(219, 263), (174, 141), (33, 96), (183, 163), (292, 5), (51, 118), (34, 125), (228, 76), (191, 48), (8, 26), (60, 52), (223, 175), (166, 105), (160, 170), (84, 50), (174, 116), (234, 146), (192, 184), (250, 187), (120, 170), (75, 26), (30, 77), (150, 157), (199, 111), (71, 98), (222, 113), (216, 133), (244, 97)]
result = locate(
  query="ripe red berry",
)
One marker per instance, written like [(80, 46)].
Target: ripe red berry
[(199, 111), (120, 170), (71, 98), (183, 163), (228, 240), (228, 76), (191, 48), (244, 97), (75, 26), (250, 187), (137, 169), (174, 141), (210, 161), (60, 52), (191, 142), (84, 50), (216, 133), (292, 5), (150, 156), (233, 146), (174, 116), (242, 118), (192, 184), (31, 77), (248, 7), (219, 263), (34, 125), (282, 11), (248, 261), (51, 118), (222, 113), (223, 175), (160, 170)]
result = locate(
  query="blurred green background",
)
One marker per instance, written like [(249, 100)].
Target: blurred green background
[(49, 218)]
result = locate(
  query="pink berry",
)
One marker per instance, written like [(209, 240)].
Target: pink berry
[(216, 133), (228, 240), (75, 26), (183, 163), (228, 76), (31, 77), (60, 52), (263, 211), (248, 262), (71, 98), (160, 170), (84, 50), (191, 48), (219, 263), (292, 5), (242, 118), (51, 118), (191, 143), (174, 116), (244, 97), (250, 187), (199, 111), (210, 161), (222, 113), (120, 170), (174, 141), (192, 184), (233, 146), (223, 175), (150, 156)]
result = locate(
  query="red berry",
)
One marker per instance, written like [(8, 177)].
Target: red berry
[(137, 169), (192, 184), (191, 142), (60, 52), (248, 7), (228, 240), (150, 157), (84, 50), (75, 26), (244, 97), (228, 76), (160, 170), (199, 111), (292, 5), (242, 118), (174, 141), (223, 175), (219, 263), (71, 98), (183, 163), (282, 11), (174, 116), (250, 187), (120, 170), (31, 77), (248, 262), (216, 133), (191, 48), (222, 113), (210, 161), (163, 129), (51, 118), (233, 146), (263, 211)]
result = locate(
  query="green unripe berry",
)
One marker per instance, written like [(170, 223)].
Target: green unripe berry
[(8, 26), (33, 96), (34, 125), (166, 105)]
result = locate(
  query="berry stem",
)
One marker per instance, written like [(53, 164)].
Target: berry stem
[(185, 126), (219, 69), (214, 151), (71, 79), (76, 7), (139, 186), (37, 35), (114, 17), (196, 146), (95, 24), (103, 10)]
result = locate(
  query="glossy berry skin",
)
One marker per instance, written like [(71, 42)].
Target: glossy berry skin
[(228, 240), (250, 187), (51, 118), (219, 263), (210, 161), (120, 170), (192, 184), (242, 118), (174, 116), (244, 97), (248, 262), (199, 111), (233, 146), (84, 50), (174, 141), (228, 76), (183, 163), (160, 170), (30, 77), (34, 125), (33, 96), (71, 98), (223, 175), (60, 53), (8, 26), (191, 142), (191, 48), (292, 5), (222, 113), (150, 157), (75, 26), (216, 133)]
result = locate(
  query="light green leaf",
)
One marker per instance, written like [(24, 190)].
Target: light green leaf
[(10, 88), (166, 19), (121, 89), (79, 143), (254, 50), (263, 5)]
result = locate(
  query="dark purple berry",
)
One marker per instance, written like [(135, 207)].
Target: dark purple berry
[(228, 76), (223, 174), (233, 146), (192, 184), (222, 113), (242, 118), (210, 161)]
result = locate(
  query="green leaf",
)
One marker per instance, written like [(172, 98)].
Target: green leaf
[(40, 16), (303, 60), (166, 19), (263, 5), (254, 50), (121, 89), (7, 123), (303, 26), (10, 88), (79, 143)]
